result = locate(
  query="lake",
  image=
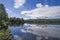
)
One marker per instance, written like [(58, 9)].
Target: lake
[(35, 32)]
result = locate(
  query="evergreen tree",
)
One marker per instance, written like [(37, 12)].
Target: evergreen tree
[(3, 16)]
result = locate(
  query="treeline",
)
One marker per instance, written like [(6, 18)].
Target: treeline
[(43, 21), (15, 21)]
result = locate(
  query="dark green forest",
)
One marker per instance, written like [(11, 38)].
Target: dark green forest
[(15, 21), (43, 21)]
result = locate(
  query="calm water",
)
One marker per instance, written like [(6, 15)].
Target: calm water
[(35, 32)]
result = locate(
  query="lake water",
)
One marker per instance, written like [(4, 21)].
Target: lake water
[(35, 32)]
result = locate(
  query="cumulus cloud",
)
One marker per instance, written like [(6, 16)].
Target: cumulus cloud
[(46, 6), (43, 11), (39, 5), (18, 3)]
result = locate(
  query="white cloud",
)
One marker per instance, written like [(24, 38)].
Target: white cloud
[(39, 5), (43, 11), (19, 3), (17, 37), (46, 6)]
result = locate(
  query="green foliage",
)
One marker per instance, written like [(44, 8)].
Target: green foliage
[(15, 21), (43, 21), (5, 34), (3, 16)]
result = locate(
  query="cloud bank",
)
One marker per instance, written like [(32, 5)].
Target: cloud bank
[(18, 3), (43, 11)]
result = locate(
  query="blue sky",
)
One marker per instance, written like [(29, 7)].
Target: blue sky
[(32, 8)]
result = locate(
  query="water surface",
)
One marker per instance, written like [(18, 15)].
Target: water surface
[(35, 32)]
